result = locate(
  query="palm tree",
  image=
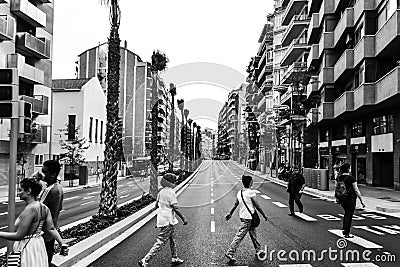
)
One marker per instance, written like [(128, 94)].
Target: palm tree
[(113, 141), (172, 91), (181, 105), (158, 63)]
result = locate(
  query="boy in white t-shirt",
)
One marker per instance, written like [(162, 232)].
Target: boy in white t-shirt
[(166, 219), (249, 196)]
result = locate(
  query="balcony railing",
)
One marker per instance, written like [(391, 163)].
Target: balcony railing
[(325, 111), (290, 11), (344, 103), (28, 12), (39, 135), (40, 103), (295, 49), (364, 48), (33, 46), (313, 28), (295, 28), (312, 116), (7, 27), (26, 72), (346, 21), (387, 34), (345, 62)]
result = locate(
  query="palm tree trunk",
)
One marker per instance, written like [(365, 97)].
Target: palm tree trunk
[(113, 140)]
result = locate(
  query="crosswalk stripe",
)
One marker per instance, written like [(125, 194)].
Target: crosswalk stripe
[(359, 264), (4, 213), (355, 217), (366, 228), (279, 204), (295, 265), (256, 191), (212, 226), (212, 211), (356, 240), (383, 229), (305, 217), (265, 197)]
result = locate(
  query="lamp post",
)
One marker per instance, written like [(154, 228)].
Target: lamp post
[(172, 91)]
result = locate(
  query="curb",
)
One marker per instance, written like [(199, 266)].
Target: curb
[(89, 245), (388, 209)]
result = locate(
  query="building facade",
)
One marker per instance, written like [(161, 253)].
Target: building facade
[(73, 100), (26, 35)]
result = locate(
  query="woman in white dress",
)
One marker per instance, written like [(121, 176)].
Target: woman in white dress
[(29, 224)]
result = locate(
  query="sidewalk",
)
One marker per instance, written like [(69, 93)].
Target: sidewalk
[(375, 198), (92, 181)]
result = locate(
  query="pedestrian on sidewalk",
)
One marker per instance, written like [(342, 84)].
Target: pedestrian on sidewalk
[(167, 205), (246, 199), (349, 198), (29, 225), (295, 189), (52, 197)]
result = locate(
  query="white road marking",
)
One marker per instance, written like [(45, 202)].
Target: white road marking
[(4, 213), (62, 211), (366, 228), (87, 197), (212, 201), (265, 197), (124, 196), (356, 240), (83, 204), (389, 231), (3, 227), (373, 216), (393, 226), (131, 185), (212, 226), (212, 211), (329, 217), (93, 193), (279, 204), (212, 194), (355, 217), (65, 199), (359, 264), (256, 191), (305, 217)]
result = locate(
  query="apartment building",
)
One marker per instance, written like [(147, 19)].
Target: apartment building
[(223, 147), (355, 62), (26, 35)]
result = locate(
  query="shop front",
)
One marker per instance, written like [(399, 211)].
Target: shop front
[(359, 162)]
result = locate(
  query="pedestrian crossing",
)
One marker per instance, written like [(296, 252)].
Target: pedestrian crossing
[(356, 240)]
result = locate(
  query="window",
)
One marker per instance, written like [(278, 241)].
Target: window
[(357, 129), (71, 127), (95, 130), (359, 33), (101, 132), (383, 124), (38, 159), (359, 76), (324, 136), (90, 129)]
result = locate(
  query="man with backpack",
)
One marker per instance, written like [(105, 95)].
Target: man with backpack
[(295, 189), (346, 193)]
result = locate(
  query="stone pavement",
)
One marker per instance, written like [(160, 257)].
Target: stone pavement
[(381, 199)]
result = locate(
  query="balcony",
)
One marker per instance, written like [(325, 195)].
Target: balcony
[(312, 86), (7, 27), (29, 45), (327, 7), (28, 73), (312, 116), (345, 22), (364, 48), (40, 103), (294, 73), (325, 76), (39, 136), (284, 3), (361, 6), (292, 9), (313, 57), (387, 38), (295, 28), (314, 6), (313, 29), (267, 69), (294, 51), (326, 42), (345, 62), (344, 103), (325, 111), (289, 94), (28, 12), (388, 86)]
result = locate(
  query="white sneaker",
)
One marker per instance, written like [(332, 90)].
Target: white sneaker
[(176, 260)]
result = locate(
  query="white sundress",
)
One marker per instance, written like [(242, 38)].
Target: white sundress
[(34, 254)]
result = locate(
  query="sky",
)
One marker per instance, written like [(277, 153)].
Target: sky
[(222, 32)]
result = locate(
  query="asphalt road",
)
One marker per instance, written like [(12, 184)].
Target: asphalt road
[(82, 203), (203, 242)]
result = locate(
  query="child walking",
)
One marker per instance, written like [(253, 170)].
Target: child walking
[(167, 205)]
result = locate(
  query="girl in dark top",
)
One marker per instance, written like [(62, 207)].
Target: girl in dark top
[(349, 203)]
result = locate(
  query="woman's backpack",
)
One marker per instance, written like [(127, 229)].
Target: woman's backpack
[(341, 191)]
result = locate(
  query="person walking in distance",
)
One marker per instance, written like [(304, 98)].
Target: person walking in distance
[(295, 189), (52, 197), (246, 199), (167, 205), (347, 197)]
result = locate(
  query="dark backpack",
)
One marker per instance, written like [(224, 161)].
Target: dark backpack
[(341, 191)]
